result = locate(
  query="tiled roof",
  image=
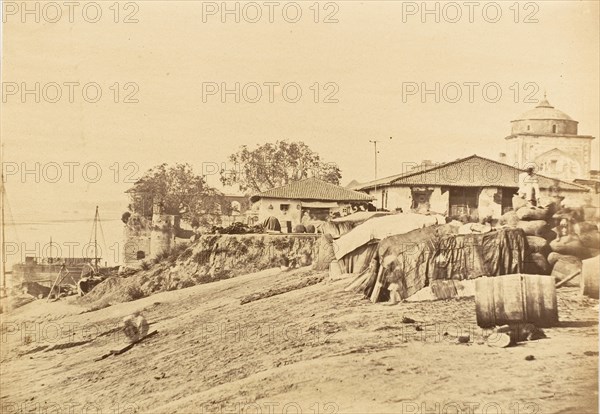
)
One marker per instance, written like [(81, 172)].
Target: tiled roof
[(313, 189), (473, 171)]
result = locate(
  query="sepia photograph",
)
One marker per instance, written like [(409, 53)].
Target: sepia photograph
[(299, 207)]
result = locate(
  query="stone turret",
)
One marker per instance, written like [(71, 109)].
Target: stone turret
[(146, 238), (164, 226)]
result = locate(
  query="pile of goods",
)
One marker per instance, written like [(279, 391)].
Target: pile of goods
[(238, 228), (559, 239)]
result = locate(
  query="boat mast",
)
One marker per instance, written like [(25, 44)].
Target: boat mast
[(4, 289), (96, 259)]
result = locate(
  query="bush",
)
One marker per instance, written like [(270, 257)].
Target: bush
[(135, 292), (299, 229), (177, 251), (125, 217), (161, 256), (310, 228)]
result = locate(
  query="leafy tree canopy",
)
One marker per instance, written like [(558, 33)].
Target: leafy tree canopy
[(276, 164), (180, 191)]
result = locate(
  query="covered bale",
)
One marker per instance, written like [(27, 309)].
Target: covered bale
[(533, 227), (325, 253), (272, 224), (536, 264), (555, 257), (336, 229), (300, 228), (591, 240), (585, 227), (424, 255), (564, 267), (572, 246), (533, 213), (509, 218), (538, 245), (548, 234)]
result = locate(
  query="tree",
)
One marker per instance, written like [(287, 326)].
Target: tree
[(276, 164), (180, 191), (125, 217)]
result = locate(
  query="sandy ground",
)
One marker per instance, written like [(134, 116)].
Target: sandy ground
[(314, 350)]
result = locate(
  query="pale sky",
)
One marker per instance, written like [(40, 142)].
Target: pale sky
[(369, 55)]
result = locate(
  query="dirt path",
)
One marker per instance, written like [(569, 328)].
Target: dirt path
[(313, 350)]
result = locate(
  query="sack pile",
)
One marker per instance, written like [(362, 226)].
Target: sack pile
[(553, 249)]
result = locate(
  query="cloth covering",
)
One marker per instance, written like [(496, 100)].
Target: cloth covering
[(358, 261), (415, 259), (336, 229), (272, 224)]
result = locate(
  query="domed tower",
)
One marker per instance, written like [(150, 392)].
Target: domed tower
[(547, 138)]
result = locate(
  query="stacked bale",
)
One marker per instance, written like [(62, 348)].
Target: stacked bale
[(534, 222), (580, 239), (554, 249)]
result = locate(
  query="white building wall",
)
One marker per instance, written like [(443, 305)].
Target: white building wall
[(399, 197), (489, 203), (439, 202), (293, 214)]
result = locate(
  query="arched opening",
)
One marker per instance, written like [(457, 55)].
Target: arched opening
[(554, 129)]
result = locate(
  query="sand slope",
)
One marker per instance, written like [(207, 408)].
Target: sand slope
[(316, 349)]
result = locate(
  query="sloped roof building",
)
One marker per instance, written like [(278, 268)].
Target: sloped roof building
[(305, 200), (473, 186)]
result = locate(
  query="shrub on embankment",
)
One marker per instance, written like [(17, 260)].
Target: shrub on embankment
[(210, 258)]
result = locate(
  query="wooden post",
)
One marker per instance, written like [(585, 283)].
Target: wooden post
[(377, 287), (568, 279)]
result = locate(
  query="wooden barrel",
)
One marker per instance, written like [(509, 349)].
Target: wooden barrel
[(590, 273), (516, 298)]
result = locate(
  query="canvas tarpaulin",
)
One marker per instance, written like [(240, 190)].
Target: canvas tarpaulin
[(359, 260), (356, 262), (415, 259), (380, 228)]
